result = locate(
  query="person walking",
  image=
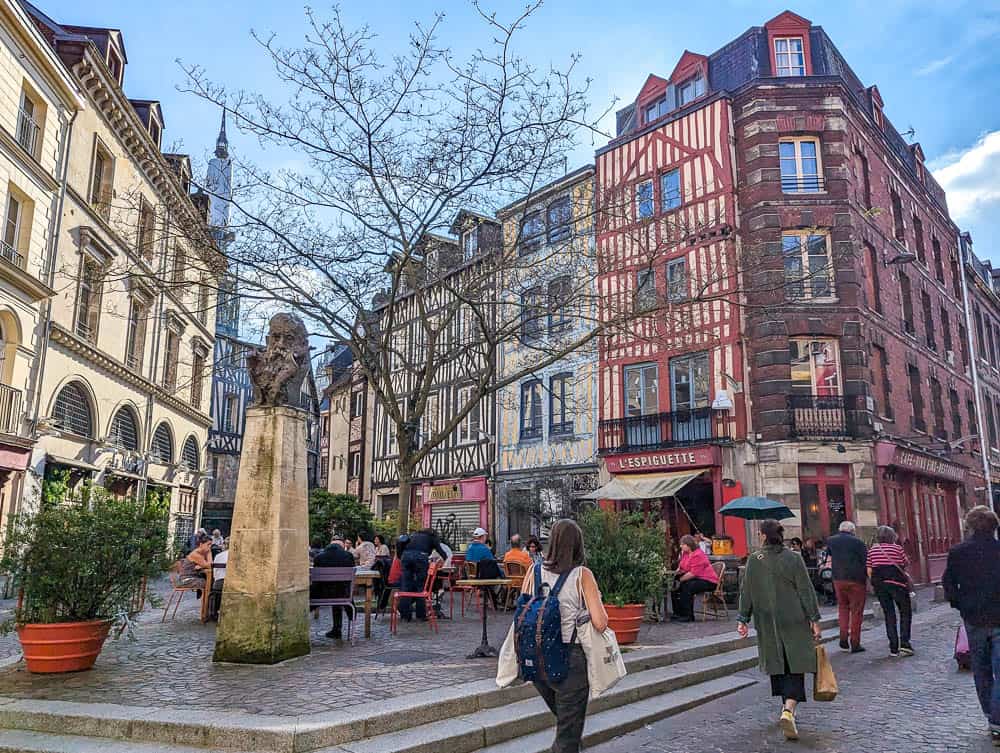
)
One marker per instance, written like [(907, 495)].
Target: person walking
[(780, 599), (971, 584), (887, 563), (850, 582), (579, 597)]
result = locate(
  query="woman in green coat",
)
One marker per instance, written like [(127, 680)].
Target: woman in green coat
[(779, 596)]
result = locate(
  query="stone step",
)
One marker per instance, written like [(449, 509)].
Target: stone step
[(19, 741)]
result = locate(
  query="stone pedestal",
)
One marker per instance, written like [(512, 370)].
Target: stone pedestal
[(265, 600)]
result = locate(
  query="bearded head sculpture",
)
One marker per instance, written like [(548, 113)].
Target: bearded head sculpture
[(278, 370)]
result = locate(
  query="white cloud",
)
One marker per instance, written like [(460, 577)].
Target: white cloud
[(971, 178), (934, 66)]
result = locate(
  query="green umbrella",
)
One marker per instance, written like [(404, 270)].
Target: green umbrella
[(756, 508)]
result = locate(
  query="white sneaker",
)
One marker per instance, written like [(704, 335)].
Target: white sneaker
[(788, 726)]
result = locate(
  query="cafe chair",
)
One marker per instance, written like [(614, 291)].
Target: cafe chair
[(336, 575), (713, 603), (515, 571), (427, 595), (178, 590)]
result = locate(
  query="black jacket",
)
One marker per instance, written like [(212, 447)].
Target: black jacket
[(848, 553), (425, 543), (333, 556), (972, 580)]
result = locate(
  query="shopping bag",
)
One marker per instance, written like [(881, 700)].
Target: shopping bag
[(962, 655), (825, 685), (605, 666), (507, 670)]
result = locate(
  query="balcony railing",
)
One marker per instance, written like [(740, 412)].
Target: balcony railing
[(10, 255), (10, 410), (822, 416), (802, 184), (657, 431), (28, 132)]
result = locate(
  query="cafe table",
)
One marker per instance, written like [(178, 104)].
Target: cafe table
[(484, 650), (367, 578)]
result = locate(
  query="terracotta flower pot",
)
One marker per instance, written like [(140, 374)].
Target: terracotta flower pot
[(625, 621), (62, 646)]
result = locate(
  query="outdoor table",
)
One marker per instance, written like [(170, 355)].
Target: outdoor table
[(367, 578), (484, 650)]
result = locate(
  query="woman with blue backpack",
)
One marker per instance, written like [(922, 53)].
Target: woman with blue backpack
[(559, 673)]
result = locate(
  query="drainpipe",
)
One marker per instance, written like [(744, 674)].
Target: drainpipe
[(983, 448), (45, 321)]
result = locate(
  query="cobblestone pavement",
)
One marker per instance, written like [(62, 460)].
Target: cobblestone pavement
[(917, 705)]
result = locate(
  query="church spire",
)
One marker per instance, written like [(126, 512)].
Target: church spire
[(222, 143)]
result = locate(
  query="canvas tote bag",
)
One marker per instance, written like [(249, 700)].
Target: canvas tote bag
[(507, 669), (605, 666), (825, 685)]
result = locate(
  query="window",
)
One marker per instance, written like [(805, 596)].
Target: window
[(677, 280), (916, 398), (789, 56), (531, 409), (357, 404), (429, 420), (170, 358), (897, 217), (907, 296), (946, 331), (925, 300), (533, 313), (872, 284), (29, 129), (991, 342), (808, 266), (938, 261), (190, 455), (71, 411), (180, 265), (799, 159), (956, 278), (981, 350), (645, 290), (230, 413), (215, 482), (690, 90), (559, 216), (146, 226), (670, 190), (88, 302), (197, 377), (991, 424), (814, 367), (956, 413), (559, 294), (937, 408), (970, 409), (114, 64), (866, 182), (154, 131), (880, 381), (641, 390), (161, 449), (560, 409), (203, 304), (12, 232), (468, 427), (689, 382), (101, 181), (918, 240), (355, 464), (135, 343), (644, 200), (470, 243), (532, 232), (963, 345), (124, 432), (656, 109)]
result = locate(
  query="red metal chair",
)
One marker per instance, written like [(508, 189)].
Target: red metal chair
[(427, 595)]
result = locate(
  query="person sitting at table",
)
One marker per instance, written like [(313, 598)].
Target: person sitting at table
[(364, 550), (193, 568), (334, 555), (415, 560), (535, 551), (516, 554), (694, 575), (219, 562), (445, 561), (478, 550), (381, 549)]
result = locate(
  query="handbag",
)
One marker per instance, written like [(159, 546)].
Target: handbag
[(825, 683), (507, 669), (605, 666)]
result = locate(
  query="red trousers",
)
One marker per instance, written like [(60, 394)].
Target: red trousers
[(851, 609)]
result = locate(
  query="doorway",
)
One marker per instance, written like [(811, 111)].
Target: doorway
[(825, 499)]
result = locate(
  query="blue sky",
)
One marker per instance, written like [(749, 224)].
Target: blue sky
[(935, 63)]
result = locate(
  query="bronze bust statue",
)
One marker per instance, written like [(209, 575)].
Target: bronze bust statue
[(278, 370)]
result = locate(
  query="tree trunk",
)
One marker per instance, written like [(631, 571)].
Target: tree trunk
[(405, 476)]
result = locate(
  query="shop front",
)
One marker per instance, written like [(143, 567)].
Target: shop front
[(920, 500), (454, 508)]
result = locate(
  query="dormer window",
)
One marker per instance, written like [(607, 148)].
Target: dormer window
[(470, 243), (155, 131), (656, 109), (114, 64), (690, 90), (789, 56)]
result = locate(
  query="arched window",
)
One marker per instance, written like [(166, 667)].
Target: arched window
[(71, 411), (162, 447), (190, 454), (124, 430)]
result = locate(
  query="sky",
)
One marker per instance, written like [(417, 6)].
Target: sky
[(936, 63)]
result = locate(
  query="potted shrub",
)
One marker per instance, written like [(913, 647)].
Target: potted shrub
[(626, 552), (79, 563)]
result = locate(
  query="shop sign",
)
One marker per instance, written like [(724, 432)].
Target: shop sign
[(445, 492), (927, 465), (651, 461)]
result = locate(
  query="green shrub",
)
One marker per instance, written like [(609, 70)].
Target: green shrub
[(337, 513), (627, 553), (83, 556), (388, 526)]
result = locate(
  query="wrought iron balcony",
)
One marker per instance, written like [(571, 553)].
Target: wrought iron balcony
[(822, 416), (656, 431), (28, 132), (10, 255), (802, 184), (10, 410)]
